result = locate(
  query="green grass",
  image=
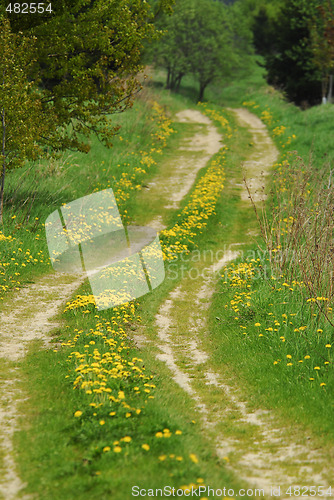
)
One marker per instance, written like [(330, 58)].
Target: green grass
[(35, 191), (287, 389), (313, 127), (61, 456)]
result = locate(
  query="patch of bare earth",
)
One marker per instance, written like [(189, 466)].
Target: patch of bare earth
[(27, 317), (255, 448), (257, 167)]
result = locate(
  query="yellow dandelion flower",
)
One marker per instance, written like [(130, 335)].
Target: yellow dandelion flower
[(193, 458)]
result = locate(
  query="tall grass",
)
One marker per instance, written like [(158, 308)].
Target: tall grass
[(300, 229)]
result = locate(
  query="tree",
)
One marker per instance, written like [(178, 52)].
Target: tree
[(201, 39), (20, 104), (213, 54), (263, 31), (173, 52), (322, 38), (290, 63), (83, 68), (88, 55)]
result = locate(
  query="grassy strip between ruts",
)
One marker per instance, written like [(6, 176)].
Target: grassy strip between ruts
[(117, 426)]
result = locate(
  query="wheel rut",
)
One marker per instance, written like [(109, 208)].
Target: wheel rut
[(26, 318)]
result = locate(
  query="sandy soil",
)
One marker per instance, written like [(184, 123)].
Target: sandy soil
[(263, 156), (272, 455), (27, 317)]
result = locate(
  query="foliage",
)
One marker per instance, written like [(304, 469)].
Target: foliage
[(262, 27), (194, 217), (322, 37), (111, 427), (20, 103), (290, 63), (76, 67), (88, 55), (204, 39), (23, 250)]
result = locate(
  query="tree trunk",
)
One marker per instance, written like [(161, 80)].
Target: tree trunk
[(324, 87), (2, 180), (330, 89), (201, 92), (168, 78), (178, 83), (173, 79)]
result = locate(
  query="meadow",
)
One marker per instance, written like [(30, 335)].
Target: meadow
[(103, 414)]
